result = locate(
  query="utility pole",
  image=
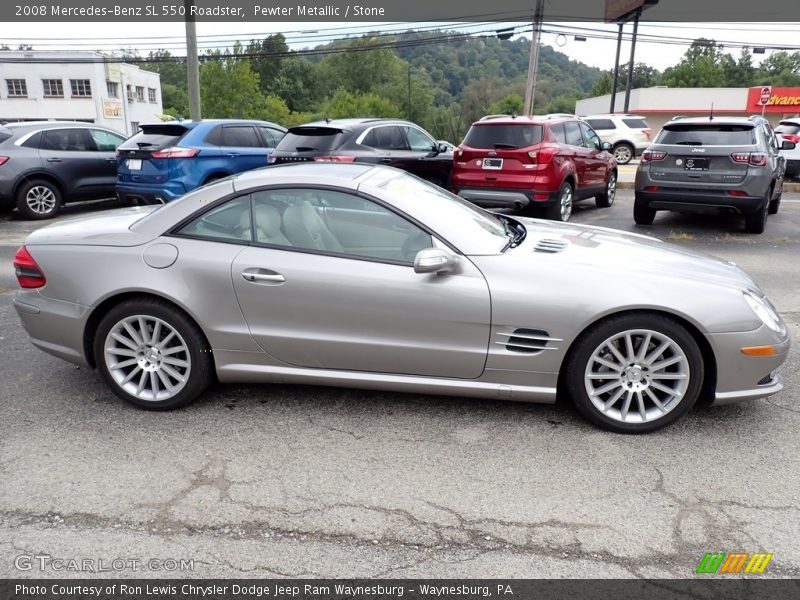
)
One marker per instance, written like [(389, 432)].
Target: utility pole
[(192, 63), (533, 61)]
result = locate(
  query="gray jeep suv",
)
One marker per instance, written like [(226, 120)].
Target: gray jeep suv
[(712, 165)]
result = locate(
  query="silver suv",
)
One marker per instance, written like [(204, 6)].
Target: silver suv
[(629, 135), (712, 165)]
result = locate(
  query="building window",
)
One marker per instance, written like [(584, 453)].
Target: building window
[(151, 95), (17, 88), (53, 88), (134, 127), (139, 93), (81, 88), (112, 87)]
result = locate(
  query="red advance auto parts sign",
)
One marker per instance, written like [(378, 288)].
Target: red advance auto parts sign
[(782, 100)]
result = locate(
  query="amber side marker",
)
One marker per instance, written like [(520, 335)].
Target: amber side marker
[(759, 350)]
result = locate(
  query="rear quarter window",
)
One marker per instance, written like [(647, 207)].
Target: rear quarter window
[(718, 135), (503, 136), (601, 123), (636, 123), (312, 139), (155, 137)]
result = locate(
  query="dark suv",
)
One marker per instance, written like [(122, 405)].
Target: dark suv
[(400, 144), (712, 165), (534, 162), (45, 164)]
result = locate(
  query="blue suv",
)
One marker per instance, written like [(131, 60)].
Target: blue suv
[(165, 160)]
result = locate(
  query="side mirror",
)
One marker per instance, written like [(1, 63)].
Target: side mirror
[(787, 145), (442, 148), (606, 146), (434, 260)]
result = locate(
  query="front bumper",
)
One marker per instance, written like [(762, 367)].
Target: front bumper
[(742, 377)]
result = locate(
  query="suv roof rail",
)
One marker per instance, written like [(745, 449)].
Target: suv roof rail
[(557, 115), (490, 117)]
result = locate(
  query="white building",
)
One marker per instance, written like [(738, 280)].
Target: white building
[(77, 86), (660, 104)]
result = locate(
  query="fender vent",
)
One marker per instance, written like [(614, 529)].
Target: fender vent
[(527, 341), (550, 246)]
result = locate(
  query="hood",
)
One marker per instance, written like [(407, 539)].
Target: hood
[(107, 228), (625, 254)]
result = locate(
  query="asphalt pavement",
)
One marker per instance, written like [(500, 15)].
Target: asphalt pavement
[(273, 480)]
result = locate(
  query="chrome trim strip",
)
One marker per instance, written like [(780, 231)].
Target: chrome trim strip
[(524, 345), (529, 336)]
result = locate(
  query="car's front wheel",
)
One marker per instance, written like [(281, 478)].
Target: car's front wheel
[(562, 209), (635, 373), (38, 199), (152, 355)]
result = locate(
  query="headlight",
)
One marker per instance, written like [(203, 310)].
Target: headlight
[(764, 311)]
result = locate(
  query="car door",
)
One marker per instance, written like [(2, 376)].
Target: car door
[(579, 154), (244, 147), (71, 154), (389, 143), (329, 283), (106, 143), (596, 165), (423, 158)]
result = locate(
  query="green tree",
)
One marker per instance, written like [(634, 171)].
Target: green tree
[(344, 103), (510, 104), (701, 66), (230, 89), (268, 61), (359, 69), (780, 68), (298, 84)]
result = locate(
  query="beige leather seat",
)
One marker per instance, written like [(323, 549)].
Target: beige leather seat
[(306, 229), (268, 226)]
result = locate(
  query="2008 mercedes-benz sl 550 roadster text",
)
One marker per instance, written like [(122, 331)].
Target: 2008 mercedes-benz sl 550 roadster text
[(365, 276)]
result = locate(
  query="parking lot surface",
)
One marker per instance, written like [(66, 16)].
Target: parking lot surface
[(271, 481)]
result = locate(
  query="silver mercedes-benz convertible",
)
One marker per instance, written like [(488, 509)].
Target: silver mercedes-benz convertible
[(365, 276)]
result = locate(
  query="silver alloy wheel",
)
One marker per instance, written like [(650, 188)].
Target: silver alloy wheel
[(611, 189), (623, 154), (147, 357), (40, 199), (565, 202), (637, 376)]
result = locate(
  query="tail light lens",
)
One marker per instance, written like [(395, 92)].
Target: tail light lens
[(175, 152), (647, 132), (739, 193), (756, 159), (789, 137), (29, 275), (336, 159), (3, 160), (543, 155), (652, 156)]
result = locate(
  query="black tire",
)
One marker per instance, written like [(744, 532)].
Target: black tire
[(187, 335), (636, 378), (623, 153), (756, 222), (643, 215), (606, 199), (775, 203), (562, 209), (38, 199)]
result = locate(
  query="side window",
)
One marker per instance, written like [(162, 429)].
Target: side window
[(240, 136), (601, 123), (229, 222), (270, 137), (559, 133), (389, 137), (573, 133), (73, 139), (105, 140), (591, 140), (418, 141), (214, 137), (335, 222)]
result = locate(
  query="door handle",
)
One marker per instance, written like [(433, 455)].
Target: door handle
[(270, 277), (53, 160), (233, 154), (386, 160)]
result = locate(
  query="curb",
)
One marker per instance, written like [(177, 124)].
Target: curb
[(789, 188)]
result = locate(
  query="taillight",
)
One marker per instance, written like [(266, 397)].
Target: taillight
[(756, 159), (336, 159), (459, 152), (651, 188), (543, 155), (739, 193), (175, 152), (647, 132), (29, 275), (652, 156), (3, 160), (789, 137)]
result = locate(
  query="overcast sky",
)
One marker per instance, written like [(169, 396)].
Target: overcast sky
[(594, 51)]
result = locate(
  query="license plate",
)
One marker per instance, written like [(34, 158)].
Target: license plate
[(135, 164), (492, 163), (696, 164)]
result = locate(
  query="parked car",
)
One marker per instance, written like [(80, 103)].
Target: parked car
[(391, 142), (712, 165), (167, 159), (629, 135), (45, 164), (789, 130), (534, 162), (364, 276)]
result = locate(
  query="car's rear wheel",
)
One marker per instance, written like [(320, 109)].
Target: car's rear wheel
[(635, 373), (643, 215), (756, 222), (623, 153), (562, 209), (152, 355), (775, 203), (38, 199), (606, 199)]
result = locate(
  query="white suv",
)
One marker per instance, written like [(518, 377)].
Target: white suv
[(629, 135), (789, 130)]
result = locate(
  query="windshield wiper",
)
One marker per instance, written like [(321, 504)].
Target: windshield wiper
[(503, 145), (305, 149), (689, 143), (515, 231)]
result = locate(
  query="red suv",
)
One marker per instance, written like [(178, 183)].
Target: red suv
[(531, 162)]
